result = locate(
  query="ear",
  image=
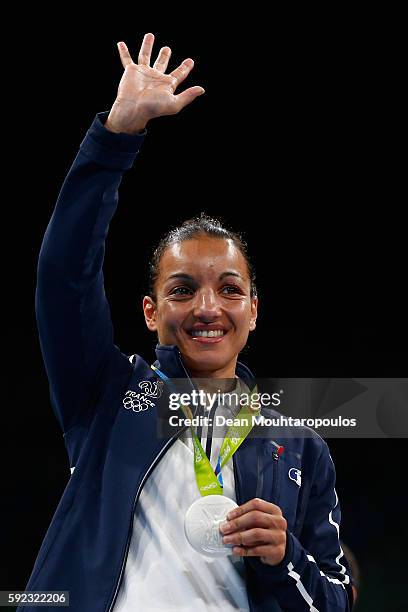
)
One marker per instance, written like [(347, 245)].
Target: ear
[(254, 313), (150, 313)]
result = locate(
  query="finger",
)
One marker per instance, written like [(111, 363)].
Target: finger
[(255, 537), (271, 553), (162, 60), (187, 96), (146, 50), (125, 56), (252, 519), (254, 504), (182, 71)]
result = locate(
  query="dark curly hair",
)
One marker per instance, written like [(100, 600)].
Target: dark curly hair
[(191, 228)]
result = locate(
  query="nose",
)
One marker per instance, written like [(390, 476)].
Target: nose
[(207, 305)]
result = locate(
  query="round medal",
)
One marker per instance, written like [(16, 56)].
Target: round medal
[(202, 524)]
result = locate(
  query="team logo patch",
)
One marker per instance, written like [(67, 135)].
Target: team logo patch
[(295, 475), (142, 401)]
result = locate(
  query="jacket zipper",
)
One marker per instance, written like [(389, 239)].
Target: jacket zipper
[(237, 481), (275, 469), (147, 473)]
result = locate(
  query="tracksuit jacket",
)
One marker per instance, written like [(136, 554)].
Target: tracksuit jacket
[(113, 449)]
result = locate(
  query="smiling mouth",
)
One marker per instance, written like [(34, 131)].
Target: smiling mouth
[(212, 333), (210, 336)]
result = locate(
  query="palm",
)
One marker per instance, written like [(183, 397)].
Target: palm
[(152, 89)]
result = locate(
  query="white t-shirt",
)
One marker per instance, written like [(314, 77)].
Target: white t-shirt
[(163, 573)]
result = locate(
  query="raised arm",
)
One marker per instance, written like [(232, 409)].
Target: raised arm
[(73, 315)]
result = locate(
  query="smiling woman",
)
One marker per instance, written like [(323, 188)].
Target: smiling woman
[(206, 519), (203, 296)]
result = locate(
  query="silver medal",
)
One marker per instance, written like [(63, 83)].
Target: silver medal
[(202, 524)]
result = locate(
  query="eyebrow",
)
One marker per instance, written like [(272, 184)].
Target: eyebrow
[(187, 277), (229, 273)]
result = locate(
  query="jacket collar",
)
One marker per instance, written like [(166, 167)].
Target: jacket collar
[(169, 360)]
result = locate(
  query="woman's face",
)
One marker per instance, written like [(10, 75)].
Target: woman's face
[(203, 304)]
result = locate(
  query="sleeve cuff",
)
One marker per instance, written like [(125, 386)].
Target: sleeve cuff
[(116, 151), (277, 573)]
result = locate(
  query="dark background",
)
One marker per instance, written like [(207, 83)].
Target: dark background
[(295, 142)]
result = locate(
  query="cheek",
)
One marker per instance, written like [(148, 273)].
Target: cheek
[(241, 312), (241, 315), (170, 316)]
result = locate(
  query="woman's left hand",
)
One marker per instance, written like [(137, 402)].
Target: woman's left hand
[(256, 529)]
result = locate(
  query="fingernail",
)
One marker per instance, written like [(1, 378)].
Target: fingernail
[(227, 539), (231, 515), (224, 527)]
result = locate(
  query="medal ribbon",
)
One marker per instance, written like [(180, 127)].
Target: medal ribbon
[(210, 482)]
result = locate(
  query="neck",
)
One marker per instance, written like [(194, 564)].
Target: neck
[(227, 371), (212, 381), (215, 385)]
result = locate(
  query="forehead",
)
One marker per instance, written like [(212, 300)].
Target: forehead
[(202, 256)]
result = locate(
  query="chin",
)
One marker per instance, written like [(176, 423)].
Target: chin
[(206, 362)]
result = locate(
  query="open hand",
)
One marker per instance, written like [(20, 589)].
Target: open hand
[(145, 92)]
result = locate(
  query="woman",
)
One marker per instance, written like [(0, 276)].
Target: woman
[(120, 536)]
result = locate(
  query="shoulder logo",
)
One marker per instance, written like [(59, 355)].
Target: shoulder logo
[(295, 475), (141, 401)]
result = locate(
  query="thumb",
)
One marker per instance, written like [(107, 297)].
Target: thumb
[(187, 96)]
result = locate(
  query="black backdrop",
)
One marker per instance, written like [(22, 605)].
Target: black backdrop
[(293, 143)]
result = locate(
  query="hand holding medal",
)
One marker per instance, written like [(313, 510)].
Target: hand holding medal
[(256, 529)]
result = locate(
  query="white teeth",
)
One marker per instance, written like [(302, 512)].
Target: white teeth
[(215, 333)]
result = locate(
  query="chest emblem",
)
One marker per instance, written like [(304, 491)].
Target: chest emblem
[(295, 475), (139, 401)]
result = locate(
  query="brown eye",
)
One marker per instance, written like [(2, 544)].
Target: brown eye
[(181, 291), (230, 289)]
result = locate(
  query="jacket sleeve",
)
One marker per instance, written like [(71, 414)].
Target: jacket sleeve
[(73, 315), (314, 574)]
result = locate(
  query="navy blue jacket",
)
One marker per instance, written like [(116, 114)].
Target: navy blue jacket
[(113, 449)]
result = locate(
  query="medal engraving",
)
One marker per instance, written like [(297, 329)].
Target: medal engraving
[(202, 522)]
